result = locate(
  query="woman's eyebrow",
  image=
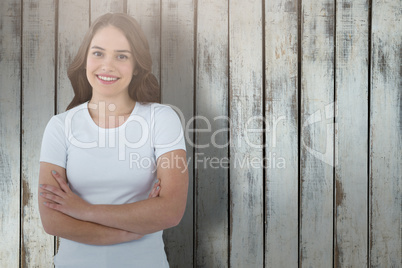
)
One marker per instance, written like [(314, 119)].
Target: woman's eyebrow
[(123, 51), (96, 47), (120, 50)]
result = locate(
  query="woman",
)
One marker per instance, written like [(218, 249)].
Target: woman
[(111, 145)]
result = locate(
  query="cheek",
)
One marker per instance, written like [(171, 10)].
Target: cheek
[(90, 64), (129, 69), (90, 68)]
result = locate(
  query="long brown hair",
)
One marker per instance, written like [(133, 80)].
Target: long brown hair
[(144, 86)]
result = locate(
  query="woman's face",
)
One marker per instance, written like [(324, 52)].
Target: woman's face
[(110, 63)]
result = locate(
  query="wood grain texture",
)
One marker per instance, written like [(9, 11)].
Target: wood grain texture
[(208, 56), (317, 133), (10, 95), (386, 136), (38, 87), (351, 138), (281, 106), (211, 154), (177, 89), (148, 15), (71, 31), (246, 134), (101, 7)]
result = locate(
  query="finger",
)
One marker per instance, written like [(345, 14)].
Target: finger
[(157, 191), (154, 190), (151, 193), (61, 181), (53, 206), (53, 189), (52, 197)]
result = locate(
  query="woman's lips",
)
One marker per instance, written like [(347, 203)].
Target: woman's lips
[(107, 79)]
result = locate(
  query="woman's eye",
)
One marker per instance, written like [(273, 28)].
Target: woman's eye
[(97, 53), (122, 57)]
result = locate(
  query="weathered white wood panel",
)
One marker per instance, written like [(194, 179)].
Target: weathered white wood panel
[(148, 16), (246, 134), (72, 25), (10, 94), (317, 133), (211, 154), (351, 138), (38, 87), (177, 88), (69, 37), (281, 102), (366, 209), (100, 7), (386, 135)]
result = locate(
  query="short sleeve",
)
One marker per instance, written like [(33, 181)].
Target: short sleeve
[(168, 130), (54, 149)]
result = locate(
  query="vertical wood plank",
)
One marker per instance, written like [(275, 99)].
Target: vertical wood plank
[(246, 134), (71, 31), (317, 134), (386, 135), (148, 15), (10, 94), (281, 104), (72, 25), (38, 86), (177, 88), (351, 138), (211, 152), (100, 7)]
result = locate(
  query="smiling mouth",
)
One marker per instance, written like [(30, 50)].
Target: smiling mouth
[(107, 78)]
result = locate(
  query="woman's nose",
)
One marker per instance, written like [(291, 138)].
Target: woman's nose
[(107, 64)]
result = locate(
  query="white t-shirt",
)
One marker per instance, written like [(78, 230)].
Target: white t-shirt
[(112, 166)]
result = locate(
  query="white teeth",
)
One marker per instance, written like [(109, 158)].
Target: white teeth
[(107, 78)]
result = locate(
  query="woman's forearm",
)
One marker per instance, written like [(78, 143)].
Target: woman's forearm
[(61, 225), (154, 214), (141, 217), (66, 216)]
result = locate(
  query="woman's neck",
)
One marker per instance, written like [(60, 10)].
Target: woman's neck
[(110, 113), (113, 107)]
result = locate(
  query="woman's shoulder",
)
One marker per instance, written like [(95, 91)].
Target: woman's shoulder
[(153, 105), (159, 110), (162, 109), (60, 118)]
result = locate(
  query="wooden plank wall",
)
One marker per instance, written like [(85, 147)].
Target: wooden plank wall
[(10, 132), (293, 118), (281, 137), (351, 134), (177, 84), (38, 87), (317, 129), (246, 207), (211, 214)]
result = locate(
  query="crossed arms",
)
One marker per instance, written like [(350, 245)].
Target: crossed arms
[(66, 215)]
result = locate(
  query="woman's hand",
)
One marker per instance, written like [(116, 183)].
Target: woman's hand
[(67, 202), (63, 199), (155, 190)]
